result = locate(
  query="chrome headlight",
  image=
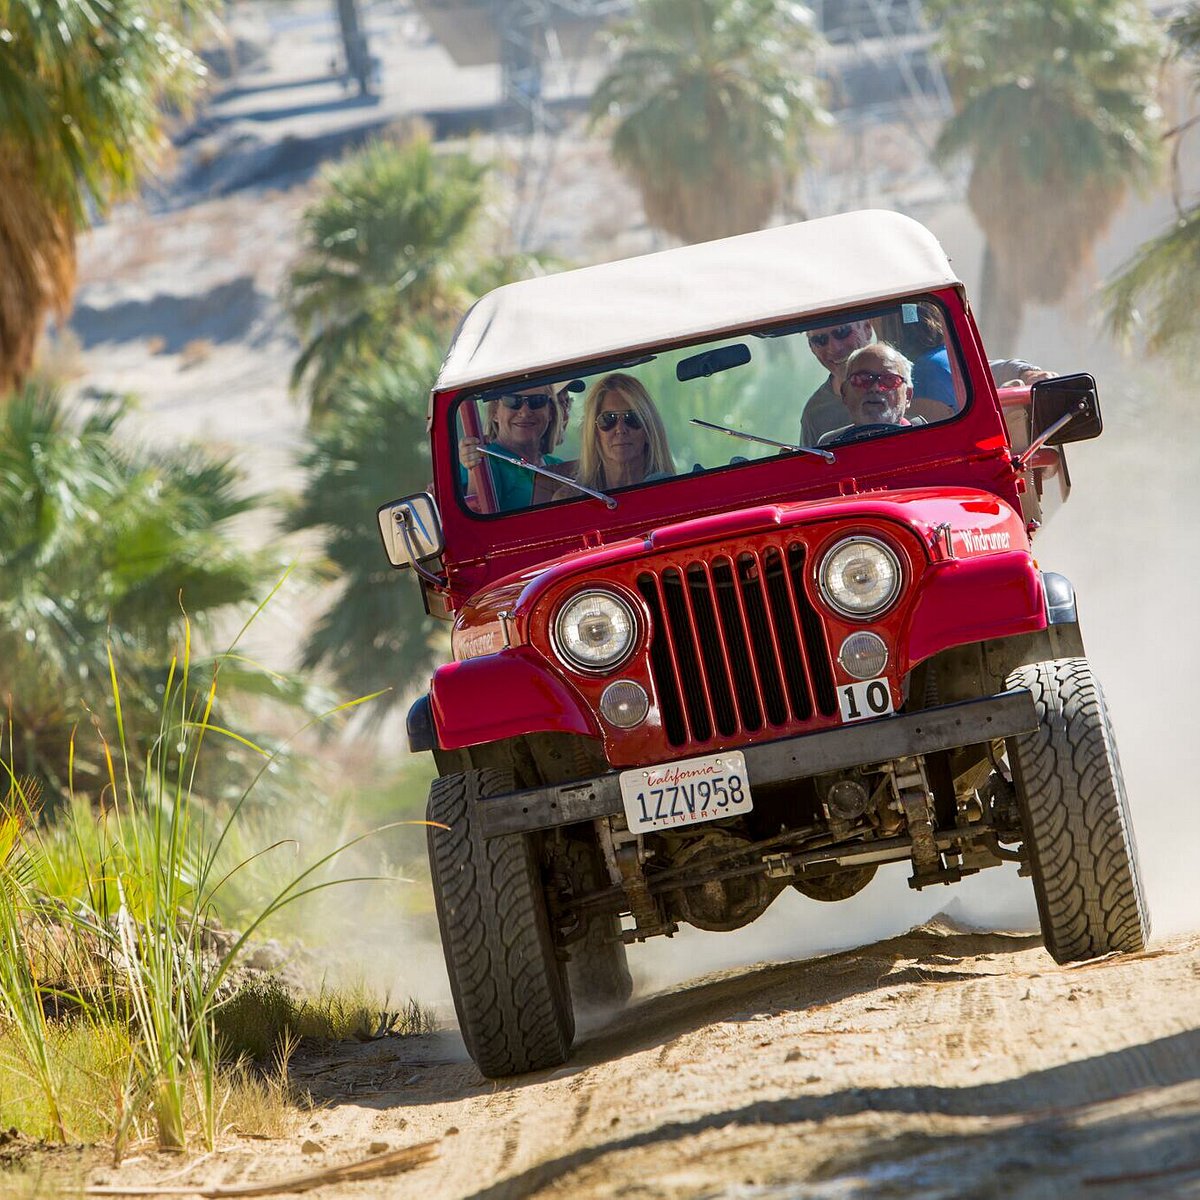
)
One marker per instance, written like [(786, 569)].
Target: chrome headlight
[(860, 577), (595, 631)]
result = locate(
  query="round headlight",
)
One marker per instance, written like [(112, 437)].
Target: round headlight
[(863, 655), (860, 577), (624, 704), (595, 631)]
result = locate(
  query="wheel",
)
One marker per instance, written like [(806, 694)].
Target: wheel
[(1071, 796), (598, 969), (509, 987)]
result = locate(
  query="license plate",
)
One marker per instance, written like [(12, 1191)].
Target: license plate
[(686, 792)]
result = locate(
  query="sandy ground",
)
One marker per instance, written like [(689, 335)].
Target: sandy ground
[(944, 1061)]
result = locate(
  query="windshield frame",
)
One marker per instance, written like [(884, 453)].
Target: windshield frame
[(791, 326)]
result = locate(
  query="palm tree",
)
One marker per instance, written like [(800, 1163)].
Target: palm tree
[(1158, 290), (375, 634), (81, 86), (384, 247), (1055, 107), (104, 546), (713, 110), (394, 249)]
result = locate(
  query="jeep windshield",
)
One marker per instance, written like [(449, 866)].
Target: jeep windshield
[(586, 435)]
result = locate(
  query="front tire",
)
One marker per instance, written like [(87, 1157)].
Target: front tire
[(1076, 820), (509, 987)]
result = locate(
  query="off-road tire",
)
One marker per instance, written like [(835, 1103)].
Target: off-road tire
[(1076, 821), (598, 969), (509, 986)]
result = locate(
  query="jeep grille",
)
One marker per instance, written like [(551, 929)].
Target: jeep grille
[(737, 645)]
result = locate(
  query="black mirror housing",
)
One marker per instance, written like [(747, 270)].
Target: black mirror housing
[(1061, 396)]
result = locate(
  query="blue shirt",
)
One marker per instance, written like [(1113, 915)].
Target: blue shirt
[(932, 379)]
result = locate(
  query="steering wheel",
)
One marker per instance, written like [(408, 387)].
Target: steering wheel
[(860, 433)]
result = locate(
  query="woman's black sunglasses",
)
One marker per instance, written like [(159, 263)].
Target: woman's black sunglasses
[(536, 401), (607, 421)]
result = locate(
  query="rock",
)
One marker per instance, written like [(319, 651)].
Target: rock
[(267, 957), (308, 1146)]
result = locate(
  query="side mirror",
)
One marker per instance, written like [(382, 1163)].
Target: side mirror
[(1068, 402), (411, 530)]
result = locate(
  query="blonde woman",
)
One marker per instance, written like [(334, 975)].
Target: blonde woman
[(622, 441), (520, 424)]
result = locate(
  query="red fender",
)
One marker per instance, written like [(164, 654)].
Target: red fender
[(501, 696), (970, 600)]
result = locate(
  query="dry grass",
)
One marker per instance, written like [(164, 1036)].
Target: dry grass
[(257, 1104), (264, 1017), (259, 1028), (92, 1065)]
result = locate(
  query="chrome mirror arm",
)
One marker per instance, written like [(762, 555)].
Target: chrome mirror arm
[(402, 517), (1020, 461)]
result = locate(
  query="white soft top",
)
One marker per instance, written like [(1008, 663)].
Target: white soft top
[(711, 288)]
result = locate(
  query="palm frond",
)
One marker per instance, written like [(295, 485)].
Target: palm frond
[(1056, 108), (102, 543), (380, 249), (82, 90), (711, 114), (375, 634), (1156, 294)]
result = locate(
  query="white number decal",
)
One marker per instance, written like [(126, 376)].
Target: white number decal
[(860, 701)]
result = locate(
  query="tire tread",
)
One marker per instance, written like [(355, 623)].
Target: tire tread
[(1072, 795), (509, 991)]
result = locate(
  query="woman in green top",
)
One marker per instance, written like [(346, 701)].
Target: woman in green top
[(520, 424)]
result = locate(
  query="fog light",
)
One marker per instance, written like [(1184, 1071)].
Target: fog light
[(624, 704), (863, 655)]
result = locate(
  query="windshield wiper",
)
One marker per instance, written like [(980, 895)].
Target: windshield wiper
[(610, 501), (827, 455)]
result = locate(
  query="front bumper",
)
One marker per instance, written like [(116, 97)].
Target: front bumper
[(903, 736)]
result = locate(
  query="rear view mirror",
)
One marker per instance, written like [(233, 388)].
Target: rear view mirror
[(411, 530), (1065, 396), (712, 361)]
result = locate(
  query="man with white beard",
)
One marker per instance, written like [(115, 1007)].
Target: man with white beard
[(876, 389)]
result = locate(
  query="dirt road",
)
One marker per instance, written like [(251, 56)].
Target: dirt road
[(942, 1063)]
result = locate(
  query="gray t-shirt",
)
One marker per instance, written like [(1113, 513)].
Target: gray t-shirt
[(1004, 369), (822, 412)]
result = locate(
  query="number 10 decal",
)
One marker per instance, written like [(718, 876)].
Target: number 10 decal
[(859, 701)]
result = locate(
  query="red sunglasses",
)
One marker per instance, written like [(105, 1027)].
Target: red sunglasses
[(864, 380)]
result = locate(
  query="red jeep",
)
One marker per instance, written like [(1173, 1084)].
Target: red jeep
[(744, 664)]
